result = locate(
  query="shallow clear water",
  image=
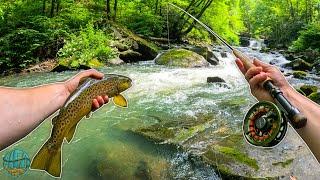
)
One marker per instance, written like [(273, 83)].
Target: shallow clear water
[(104, 148)]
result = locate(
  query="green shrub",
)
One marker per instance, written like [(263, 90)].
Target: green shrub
[(19, 48), (74, 17), (308, 39), (85, 46)]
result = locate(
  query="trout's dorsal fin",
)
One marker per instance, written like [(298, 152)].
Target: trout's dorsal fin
[(71, 133), (54, 120), (83, 84), (82, 80), (119, 100)]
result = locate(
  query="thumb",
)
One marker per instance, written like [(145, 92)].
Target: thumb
[(257, 62)]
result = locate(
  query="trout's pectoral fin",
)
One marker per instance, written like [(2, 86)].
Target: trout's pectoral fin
[(119, 100), (71, 133)]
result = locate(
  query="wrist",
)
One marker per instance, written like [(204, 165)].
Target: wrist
[(291, 94), (65, 92)]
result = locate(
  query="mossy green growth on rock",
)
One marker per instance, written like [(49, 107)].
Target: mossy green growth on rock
[(299, 74), (309, 89), (176, 131), (315, 97), (182, 58), (238, 156), (283, 164)]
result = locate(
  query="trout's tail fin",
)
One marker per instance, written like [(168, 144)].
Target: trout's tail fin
[(48, 160)]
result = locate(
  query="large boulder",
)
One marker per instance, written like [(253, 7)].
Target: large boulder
[(130, 56), (148, 50), (299, 65), (182, 58)]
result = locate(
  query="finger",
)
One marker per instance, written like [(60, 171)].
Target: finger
[(257, 62), (106, 99), (252, 72), (100, 100), (258, 79), (240, 66), (95, 104), (91, 73)]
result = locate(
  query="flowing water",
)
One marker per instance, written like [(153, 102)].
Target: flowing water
[(104, 148)]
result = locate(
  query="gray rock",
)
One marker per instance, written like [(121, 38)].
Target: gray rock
[(115, 61), (130, 56), (299, 65), (215, 80)]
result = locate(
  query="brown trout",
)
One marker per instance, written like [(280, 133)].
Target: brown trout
[(78, 105)]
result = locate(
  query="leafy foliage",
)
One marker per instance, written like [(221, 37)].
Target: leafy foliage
[(87, 45), (309, 38)]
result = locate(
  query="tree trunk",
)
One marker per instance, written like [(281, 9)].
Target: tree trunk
[(115, 9), (208, 3), (44, 7), (58, 6), (108, 9), (53, 2), (156, 8)]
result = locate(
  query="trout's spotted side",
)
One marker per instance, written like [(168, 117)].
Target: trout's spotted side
[(77, 106)]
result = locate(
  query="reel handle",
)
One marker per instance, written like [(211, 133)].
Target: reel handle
[(297, 119)]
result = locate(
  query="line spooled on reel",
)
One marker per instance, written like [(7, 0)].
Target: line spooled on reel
[(265, 124)]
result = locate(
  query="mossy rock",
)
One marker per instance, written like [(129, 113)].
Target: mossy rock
[(72, 64), (315, 97), (300, 65), (299, 74), (182, 58), (147, 49), (309, 89)]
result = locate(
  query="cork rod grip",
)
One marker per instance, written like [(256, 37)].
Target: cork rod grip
[(244, 58)]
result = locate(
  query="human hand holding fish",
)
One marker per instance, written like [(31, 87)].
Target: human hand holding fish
[(72, 84)]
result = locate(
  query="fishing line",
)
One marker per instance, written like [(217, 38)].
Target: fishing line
[(265, 124)]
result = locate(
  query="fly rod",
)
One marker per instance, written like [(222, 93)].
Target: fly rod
[(264, 124)]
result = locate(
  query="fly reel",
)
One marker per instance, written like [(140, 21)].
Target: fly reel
[(264, 125)]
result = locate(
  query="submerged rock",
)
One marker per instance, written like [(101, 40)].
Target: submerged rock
[(227, 155), (309, 89), (182, 58)]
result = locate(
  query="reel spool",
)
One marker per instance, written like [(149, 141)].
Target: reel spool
[(263, 125)]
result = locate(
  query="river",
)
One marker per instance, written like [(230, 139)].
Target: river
[(104, 147)]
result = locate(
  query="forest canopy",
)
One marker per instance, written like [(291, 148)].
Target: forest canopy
[(35, 30)]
